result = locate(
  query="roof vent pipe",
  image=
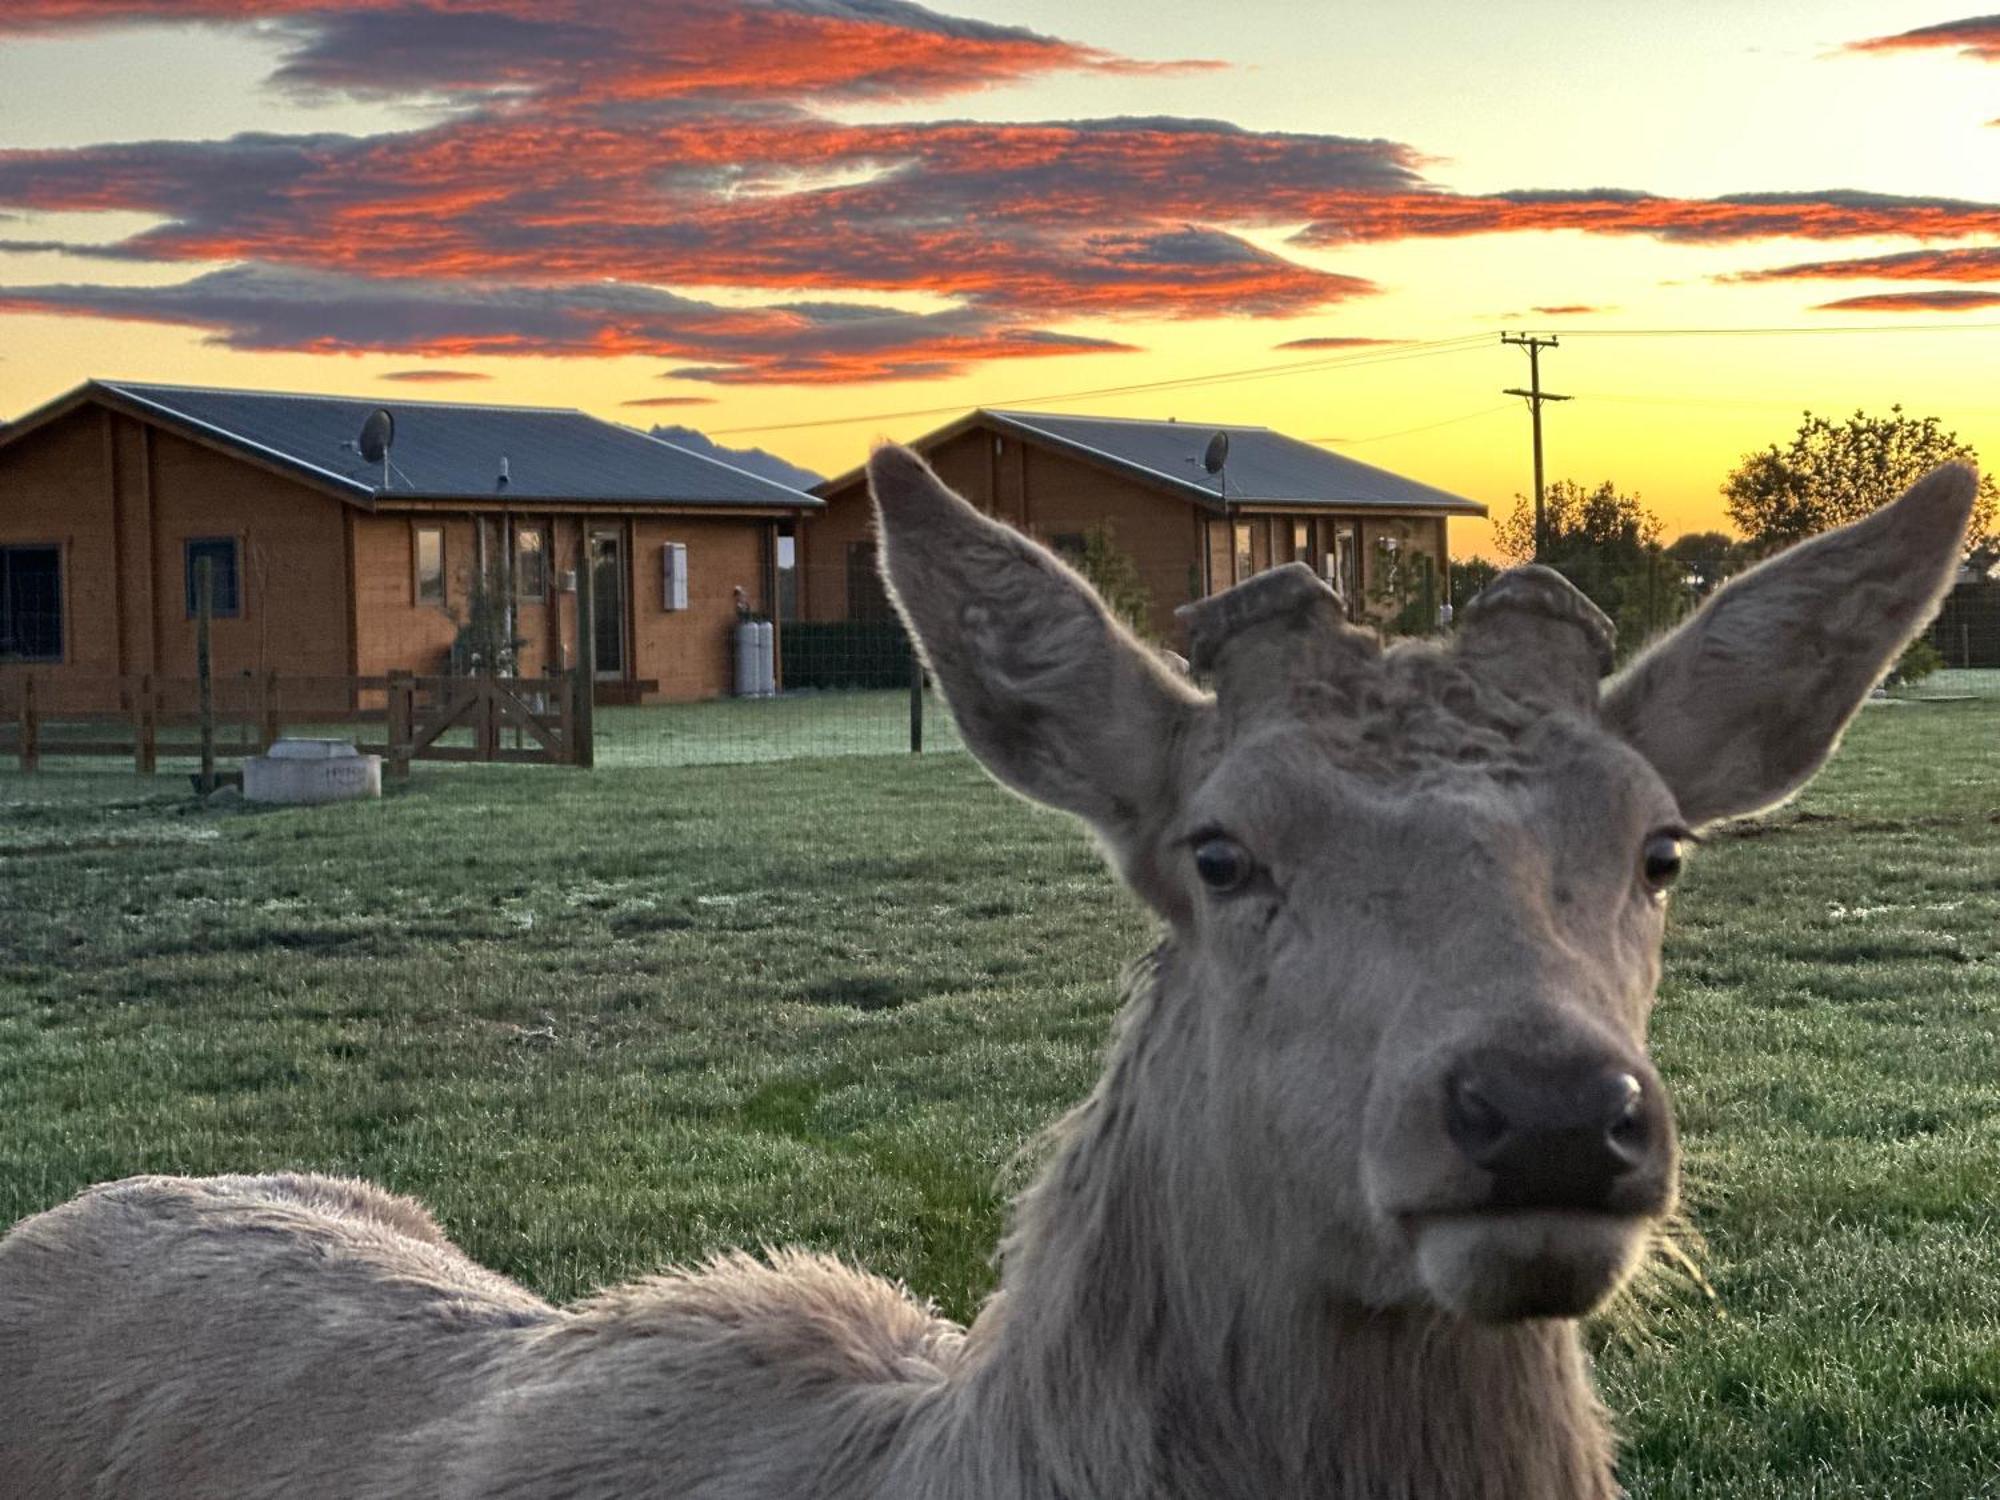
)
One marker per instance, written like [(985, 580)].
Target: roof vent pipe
[(503, 471)]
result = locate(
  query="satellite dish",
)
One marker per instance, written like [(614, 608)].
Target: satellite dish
[(377, 434), (1212, 458)]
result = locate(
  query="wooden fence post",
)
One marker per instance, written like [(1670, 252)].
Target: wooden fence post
[(566, 717), (916, 701), (145, 727), (30, 748), (271, 713), (204, 585), (585, 683), (486, 719), (402, 718)]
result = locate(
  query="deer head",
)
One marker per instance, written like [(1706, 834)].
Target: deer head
[(1415, 895)]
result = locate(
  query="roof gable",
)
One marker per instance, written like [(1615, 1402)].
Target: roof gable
[(443, 450), (1264, 468)]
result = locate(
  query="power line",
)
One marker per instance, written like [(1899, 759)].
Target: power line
[(1379, 437), (1429, 349)]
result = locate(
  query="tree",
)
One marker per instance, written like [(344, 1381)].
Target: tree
[(1608, 545), (1706, 560), (1115, 576), (1833, 473), (1468, 576)]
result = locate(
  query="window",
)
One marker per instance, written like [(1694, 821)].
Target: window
[(531, 567), (430, 565), (31, 618), (788, 571), (1244, 567), (866, 599), (1302, 542), (225, 586)]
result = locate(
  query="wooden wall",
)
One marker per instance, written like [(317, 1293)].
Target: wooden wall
[(1048, 494), (688, 651), (685, 651), (122, 498), (1045, 494)]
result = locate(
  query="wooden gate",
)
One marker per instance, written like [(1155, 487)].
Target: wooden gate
[(540, 712)]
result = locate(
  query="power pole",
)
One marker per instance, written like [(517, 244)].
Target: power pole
[(1535, 396)]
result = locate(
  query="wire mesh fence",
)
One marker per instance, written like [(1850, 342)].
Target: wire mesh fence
[(1966, 633), (848, 684)]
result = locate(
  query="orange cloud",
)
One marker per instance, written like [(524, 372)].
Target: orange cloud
[(1949, 299), (1973, 263), (639, 50), (671, 401), (1976, 37), (432, 377), (1834, 214), (587, 155), (1334, 341)]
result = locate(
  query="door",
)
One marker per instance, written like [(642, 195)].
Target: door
[(608, 588), (1345, 561)]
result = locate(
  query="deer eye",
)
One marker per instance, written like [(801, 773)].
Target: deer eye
[(1660, 862), (1223, 864)]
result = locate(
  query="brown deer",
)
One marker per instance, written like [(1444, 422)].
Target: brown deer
[(1377, 1127)]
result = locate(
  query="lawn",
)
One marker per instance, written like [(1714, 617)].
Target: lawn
[(603, 1021)]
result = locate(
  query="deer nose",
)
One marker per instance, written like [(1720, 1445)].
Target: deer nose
[(1551, 1137)]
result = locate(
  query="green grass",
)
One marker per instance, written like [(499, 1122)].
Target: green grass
[(744, 731), (604, 1021)]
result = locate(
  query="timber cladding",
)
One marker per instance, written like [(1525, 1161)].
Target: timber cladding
[(123, 500), (1181, 548), (107, 506)]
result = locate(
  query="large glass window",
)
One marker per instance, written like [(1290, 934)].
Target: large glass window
[(430, 565), (531, 566), (225, 581), (31, 616)]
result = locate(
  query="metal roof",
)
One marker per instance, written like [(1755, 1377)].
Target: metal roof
[(453, 450), (1264, 467)]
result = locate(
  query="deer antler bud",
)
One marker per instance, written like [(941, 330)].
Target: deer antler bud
[(1272, 633), (1538, 636)]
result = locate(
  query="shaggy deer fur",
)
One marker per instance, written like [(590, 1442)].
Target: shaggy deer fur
[(1377, 1126)]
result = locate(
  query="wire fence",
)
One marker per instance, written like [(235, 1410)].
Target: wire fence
[(1966, 632), (848, 685)]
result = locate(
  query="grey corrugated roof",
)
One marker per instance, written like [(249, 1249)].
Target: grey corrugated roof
[(1264, 467), (452, 450)]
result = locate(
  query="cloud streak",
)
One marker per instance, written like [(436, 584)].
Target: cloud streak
[(433, 377), (1969, 263), (583, 159), (1975, 36), (1943, 299), (266, 309)]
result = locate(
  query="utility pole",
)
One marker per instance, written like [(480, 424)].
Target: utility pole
[(1535, 396)]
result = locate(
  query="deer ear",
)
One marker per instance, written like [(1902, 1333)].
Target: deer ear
[(1055, 697), (1742, 704)]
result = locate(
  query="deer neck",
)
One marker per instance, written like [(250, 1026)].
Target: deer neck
[(1149, 1340)]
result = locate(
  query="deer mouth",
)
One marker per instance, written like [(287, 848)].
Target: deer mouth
[(1502, 1265)]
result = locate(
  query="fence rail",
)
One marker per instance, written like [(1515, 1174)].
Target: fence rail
[(548, 719)]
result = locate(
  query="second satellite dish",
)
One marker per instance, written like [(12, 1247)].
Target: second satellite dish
[(1216, 455), (378, 433)]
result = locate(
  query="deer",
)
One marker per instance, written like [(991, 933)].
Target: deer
[(1376, 1129)]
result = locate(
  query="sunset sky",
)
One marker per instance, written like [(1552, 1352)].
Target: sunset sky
[(808, 224)]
